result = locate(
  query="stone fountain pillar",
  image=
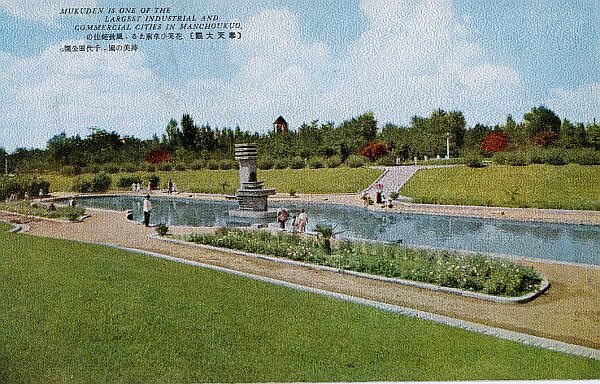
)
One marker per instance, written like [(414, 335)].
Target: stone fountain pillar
[(251, 195)]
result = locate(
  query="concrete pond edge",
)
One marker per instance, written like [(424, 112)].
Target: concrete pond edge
[(544, 285)]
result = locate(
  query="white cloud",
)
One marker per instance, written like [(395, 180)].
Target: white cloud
[(73, 91), (280, 74), (413, 57)]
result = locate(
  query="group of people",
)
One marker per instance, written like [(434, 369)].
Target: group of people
[(380, 198), (136, 187), (14, 197), (298, 223)]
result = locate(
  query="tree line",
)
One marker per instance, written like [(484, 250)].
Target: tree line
[(185, 141)]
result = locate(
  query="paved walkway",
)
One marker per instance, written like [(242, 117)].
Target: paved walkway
[(569, 311)]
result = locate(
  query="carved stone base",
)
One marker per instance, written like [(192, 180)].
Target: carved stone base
[(270, 214)]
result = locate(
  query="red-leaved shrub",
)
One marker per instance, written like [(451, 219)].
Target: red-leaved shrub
[(495, 142), (156, 156), (374, 150), (545, 138)]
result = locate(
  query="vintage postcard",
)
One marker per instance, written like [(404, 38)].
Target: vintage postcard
[(299, 191)]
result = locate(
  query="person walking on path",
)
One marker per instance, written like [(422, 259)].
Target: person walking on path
[(147, 209), (302, 220), (170, 187), (282, 217)]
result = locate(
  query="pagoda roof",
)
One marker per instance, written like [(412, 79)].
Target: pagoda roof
[(280, 120)]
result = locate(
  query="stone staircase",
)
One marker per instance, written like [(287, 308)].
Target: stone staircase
[(393, 178)]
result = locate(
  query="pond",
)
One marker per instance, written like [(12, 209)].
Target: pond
[(562, 242)]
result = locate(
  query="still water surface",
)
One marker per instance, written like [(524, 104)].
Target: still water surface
[(564, 242)]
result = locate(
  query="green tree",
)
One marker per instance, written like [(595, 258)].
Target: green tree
[(457, 130), (474, 137), (396, 138), (205, 138), (572, 136), (3, 155), (65, 150), (356, 132), (541, 119), (173, 136), (102, 146), (517, 134), (188, 133), (427, 136), (593, 135)]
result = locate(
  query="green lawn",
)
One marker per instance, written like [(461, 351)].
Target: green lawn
[(537, 186), (73, 312), (324, 180)]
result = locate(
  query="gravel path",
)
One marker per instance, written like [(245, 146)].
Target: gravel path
[(569, 311)]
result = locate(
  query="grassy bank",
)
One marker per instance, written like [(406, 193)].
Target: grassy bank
[(324, 180), (533, 186), (65, 213), (72, 312), (448, 269)]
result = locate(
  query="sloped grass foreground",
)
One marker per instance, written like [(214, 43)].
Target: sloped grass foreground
[(445, 268), (533, 186), (73, 312)]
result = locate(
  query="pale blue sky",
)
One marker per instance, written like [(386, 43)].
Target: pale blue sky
[(327, 60)]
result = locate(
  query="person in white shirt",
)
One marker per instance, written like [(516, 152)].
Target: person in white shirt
[(147, 209), (302, 220)]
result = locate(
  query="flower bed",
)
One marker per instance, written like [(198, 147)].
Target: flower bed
[(24, 208), (475, 273)]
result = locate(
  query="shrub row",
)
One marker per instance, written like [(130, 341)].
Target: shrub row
[(130, 168), (316, 162), (553, 156), (70, 170), (448, 269), (101, 182), (18, 186), (213, 164)]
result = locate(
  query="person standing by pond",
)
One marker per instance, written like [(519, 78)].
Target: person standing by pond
[(147, 209), (302, 220), (282, 217), (170, 187)]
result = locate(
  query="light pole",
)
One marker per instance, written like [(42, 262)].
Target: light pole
[(6, 164), (447, 145)]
